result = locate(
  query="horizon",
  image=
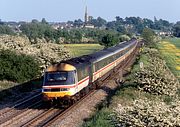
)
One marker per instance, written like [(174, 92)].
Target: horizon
[(63, 11)]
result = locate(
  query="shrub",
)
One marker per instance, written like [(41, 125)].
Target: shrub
[(17, 67), (124, 38)]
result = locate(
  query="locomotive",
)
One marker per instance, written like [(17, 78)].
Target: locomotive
[(71, 79)]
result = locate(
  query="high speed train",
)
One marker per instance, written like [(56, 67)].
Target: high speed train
[(68, 80)]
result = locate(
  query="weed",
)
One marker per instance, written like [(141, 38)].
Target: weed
[(100, 119)]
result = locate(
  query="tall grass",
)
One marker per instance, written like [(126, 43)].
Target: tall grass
[(170, 50), (175, 41)]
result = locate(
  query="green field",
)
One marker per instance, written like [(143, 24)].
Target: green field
[(170, 50), (82, 49), (174, 41)]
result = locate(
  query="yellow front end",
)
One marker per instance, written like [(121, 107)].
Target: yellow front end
[(52, 95), (48, 91)]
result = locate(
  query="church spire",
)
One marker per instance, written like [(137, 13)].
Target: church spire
[(86, 16)]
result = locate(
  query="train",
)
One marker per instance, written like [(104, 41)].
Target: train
[(69, 80)]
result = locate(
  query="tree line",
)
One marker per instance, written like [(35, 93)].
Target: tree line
[(129, 26)]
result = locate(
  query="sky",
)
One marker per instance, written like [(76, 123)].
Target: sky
[(65, 10)]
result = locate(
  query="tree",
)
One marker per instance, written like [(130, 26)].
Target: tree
[(176, 29), (99, 22), (35, 21), (36, 30), (148, 35), (121, 29), (119, 19), (44, 21), (109, 40), (4, 29), (16, 67), (78, 23)]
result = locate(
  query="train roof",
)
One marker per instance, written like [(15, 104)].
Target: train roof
[(110, 51), (120, 46), (97, 56)]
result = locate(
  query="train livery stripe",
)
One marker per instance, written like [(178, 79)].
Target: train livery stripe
[(85, 79), (97, 72), (59, 86)]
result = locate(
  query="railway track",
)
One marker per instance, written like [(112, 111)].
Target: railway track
[(19, 107), (21, 102), (20, 114), (48, 116), (51, 115)]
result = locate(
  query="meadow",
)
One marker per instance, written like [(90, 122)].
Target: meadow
[(82, 49), (170, 50), (174, 41)]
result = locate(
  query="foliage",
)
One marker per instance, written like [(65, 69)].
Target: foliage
[(101, 119), (74, 32), (78, 23), (147, 109), (156, 78), (99, 22), (36, 30), (4, 29), (176, 29), (128, 26), (109, 40), (42, 29), (135, 25), (148, 35), (17, 68), (124, 38)]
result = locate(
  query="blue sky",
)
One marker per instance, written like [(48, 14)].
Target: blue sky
[(64, 10)]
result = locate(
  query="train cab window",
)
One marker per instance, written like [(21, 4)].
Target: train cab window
[(60, 78)]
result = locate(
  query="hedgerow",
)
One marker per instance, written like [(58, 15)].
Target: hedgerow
[(17, 67)]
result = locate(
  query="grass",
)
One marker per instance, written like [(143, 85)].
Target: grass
[(6, 85), (143, 58), (174, 41), (170, 50), (100, 119), (82, 49)]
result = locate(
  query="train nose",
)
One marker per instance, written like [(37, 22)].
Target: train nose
[(46, 97)]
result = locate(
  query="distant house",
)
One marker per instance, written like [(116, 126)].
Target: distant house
[(163, 33), (89, 26), (63, 25)]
